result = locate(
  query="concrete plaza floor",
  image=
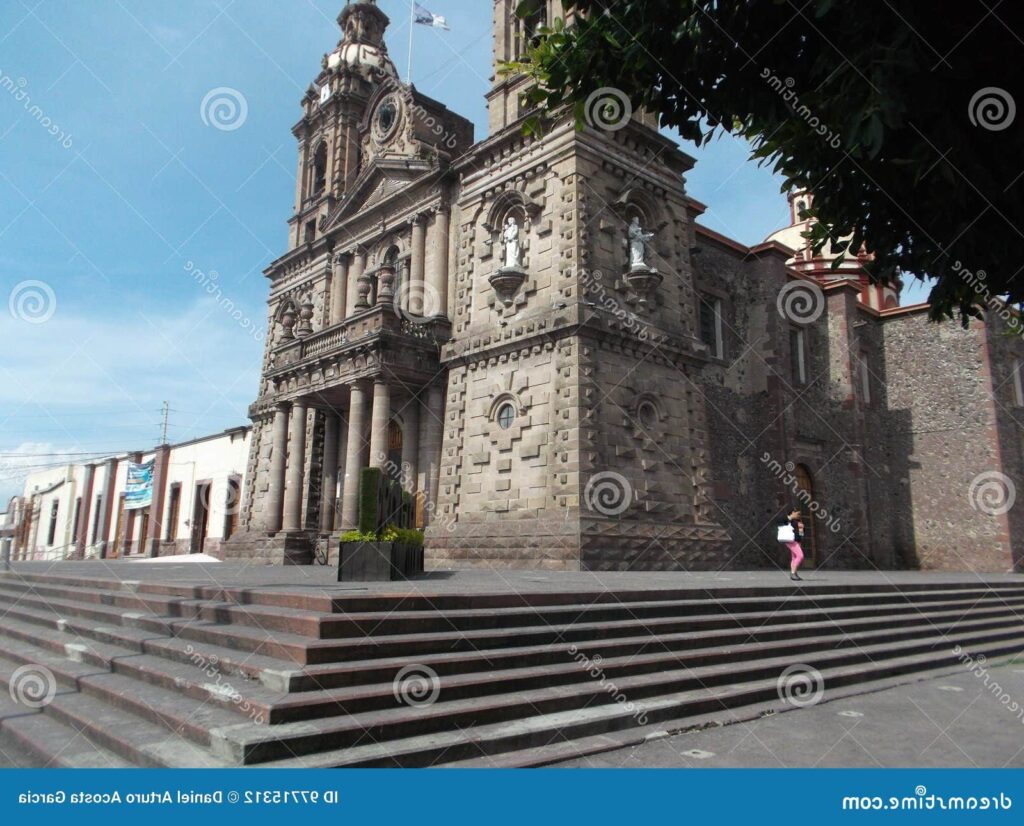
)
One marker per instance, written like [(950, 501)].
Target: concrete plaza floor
[(956, 721), (319, 579)]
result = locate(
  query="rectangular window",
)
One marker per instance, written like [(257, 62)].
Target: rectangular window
[(798, 355), (173, 509), (51, 535), (77, 519), (710, 325), (96, 519), (865, 378), (1018, 384)]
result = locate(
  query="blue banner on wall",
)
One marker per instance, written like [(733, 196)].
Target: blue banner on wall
[(493, 796), (138, 489)]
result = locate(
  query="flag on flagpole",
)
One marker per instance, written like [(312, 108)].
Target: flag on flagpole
[(428, 18)]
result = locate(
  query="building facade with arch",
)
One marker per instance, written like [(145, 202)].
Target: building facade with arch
[(477, 318)]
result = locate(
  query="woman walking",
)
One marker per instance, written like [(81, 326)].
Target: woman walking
[(790, 534)]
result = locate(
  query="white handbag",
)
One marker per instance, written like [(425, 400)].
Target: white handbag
[(786, 533)]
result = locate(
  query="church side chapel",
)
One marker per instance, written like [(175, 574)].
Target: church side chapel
[(536, 338)]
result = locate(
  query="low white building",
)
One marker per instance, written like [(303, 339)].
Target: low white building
[(78, 511)]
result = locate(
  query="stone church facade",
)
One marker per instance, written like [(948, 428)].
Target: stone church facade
[(560, 391)]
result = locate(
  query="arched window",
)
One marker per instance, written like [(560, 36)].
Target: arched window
[(647, 415), (320, 169), (535, 17)]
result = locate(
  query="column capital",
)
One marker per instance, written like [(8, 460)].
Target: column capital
[(342, 257), (417, 219)]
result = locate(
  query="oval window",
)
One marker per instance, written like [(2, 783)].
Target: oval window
[(506, 415)]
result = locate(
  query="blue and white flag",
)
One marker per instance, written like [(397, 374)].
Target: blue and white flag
[(428, 18)]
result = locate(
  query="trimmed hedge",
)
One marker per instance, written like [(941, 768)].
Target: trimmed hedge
[(383, 504)]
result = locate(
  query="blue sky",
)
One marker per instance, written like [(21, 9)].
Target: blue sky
[(114, 193)]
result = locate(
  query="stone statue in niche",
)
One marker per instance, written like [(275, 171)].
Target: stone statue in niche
[(639, 244), (510, 238), (510, 276)]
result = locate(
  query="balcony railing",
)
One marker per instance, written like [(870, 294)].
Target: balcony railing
[(366, 325)]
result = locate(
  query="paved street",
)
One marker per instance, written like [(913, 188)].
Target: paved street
[(947, 722)]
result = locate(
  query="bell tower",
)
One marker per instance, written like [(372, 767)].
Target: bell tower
[(329, 157), (511, 35)]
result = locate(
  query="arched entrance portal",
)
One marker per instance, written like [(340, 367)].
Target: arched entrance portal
[(806, 496)]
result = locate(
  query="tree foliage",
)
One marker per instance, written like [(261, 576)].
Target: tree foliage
[(900, 117)]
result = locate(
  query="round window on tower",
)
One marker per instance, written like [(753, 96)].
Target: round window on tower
[(506, 416), (647, 415), (386, 119)]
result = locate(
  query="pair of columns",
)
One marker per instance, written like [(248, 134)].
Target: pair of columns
[(421, 454), (348, 267), (288, 441)]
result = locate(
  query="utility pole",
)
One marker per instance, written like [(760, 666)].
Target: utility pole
[(166, 413)]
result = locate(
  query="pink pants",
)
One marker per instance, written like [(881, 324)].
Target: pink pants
[(796, 554)]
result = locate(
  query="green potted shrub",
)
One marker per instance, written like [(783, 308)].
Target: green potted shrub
[(385, 546)]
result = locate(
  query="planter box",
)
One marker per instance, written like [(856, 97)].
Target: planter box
[(379, 561)]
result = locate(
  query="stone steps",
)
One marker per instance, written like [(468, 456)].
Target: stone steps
[(50, 743), (173, 674), (201, 674), (665, 711)]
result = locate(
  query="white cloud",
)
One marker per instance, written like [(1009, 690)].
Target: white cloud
[(100, 383)]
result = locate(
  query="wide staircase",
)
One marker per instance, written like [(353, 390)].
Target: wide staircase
[(163, 674)]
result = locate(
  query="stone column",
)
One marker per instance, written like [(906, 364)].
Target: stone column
[(379, 422), (278, 457), (355, 272), (438, 281), (82, 537), (329, 492), (154, 526), (431, 432), (109, 486), (353, 456), (410, 443), (339, 287), (292, 520), (417, 264)]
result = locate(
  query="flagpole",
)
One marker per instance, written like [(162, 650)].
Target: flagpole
[(412, 25)]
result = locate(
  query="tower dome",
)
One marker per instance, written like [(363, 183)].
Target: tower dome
[(362, 47)]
